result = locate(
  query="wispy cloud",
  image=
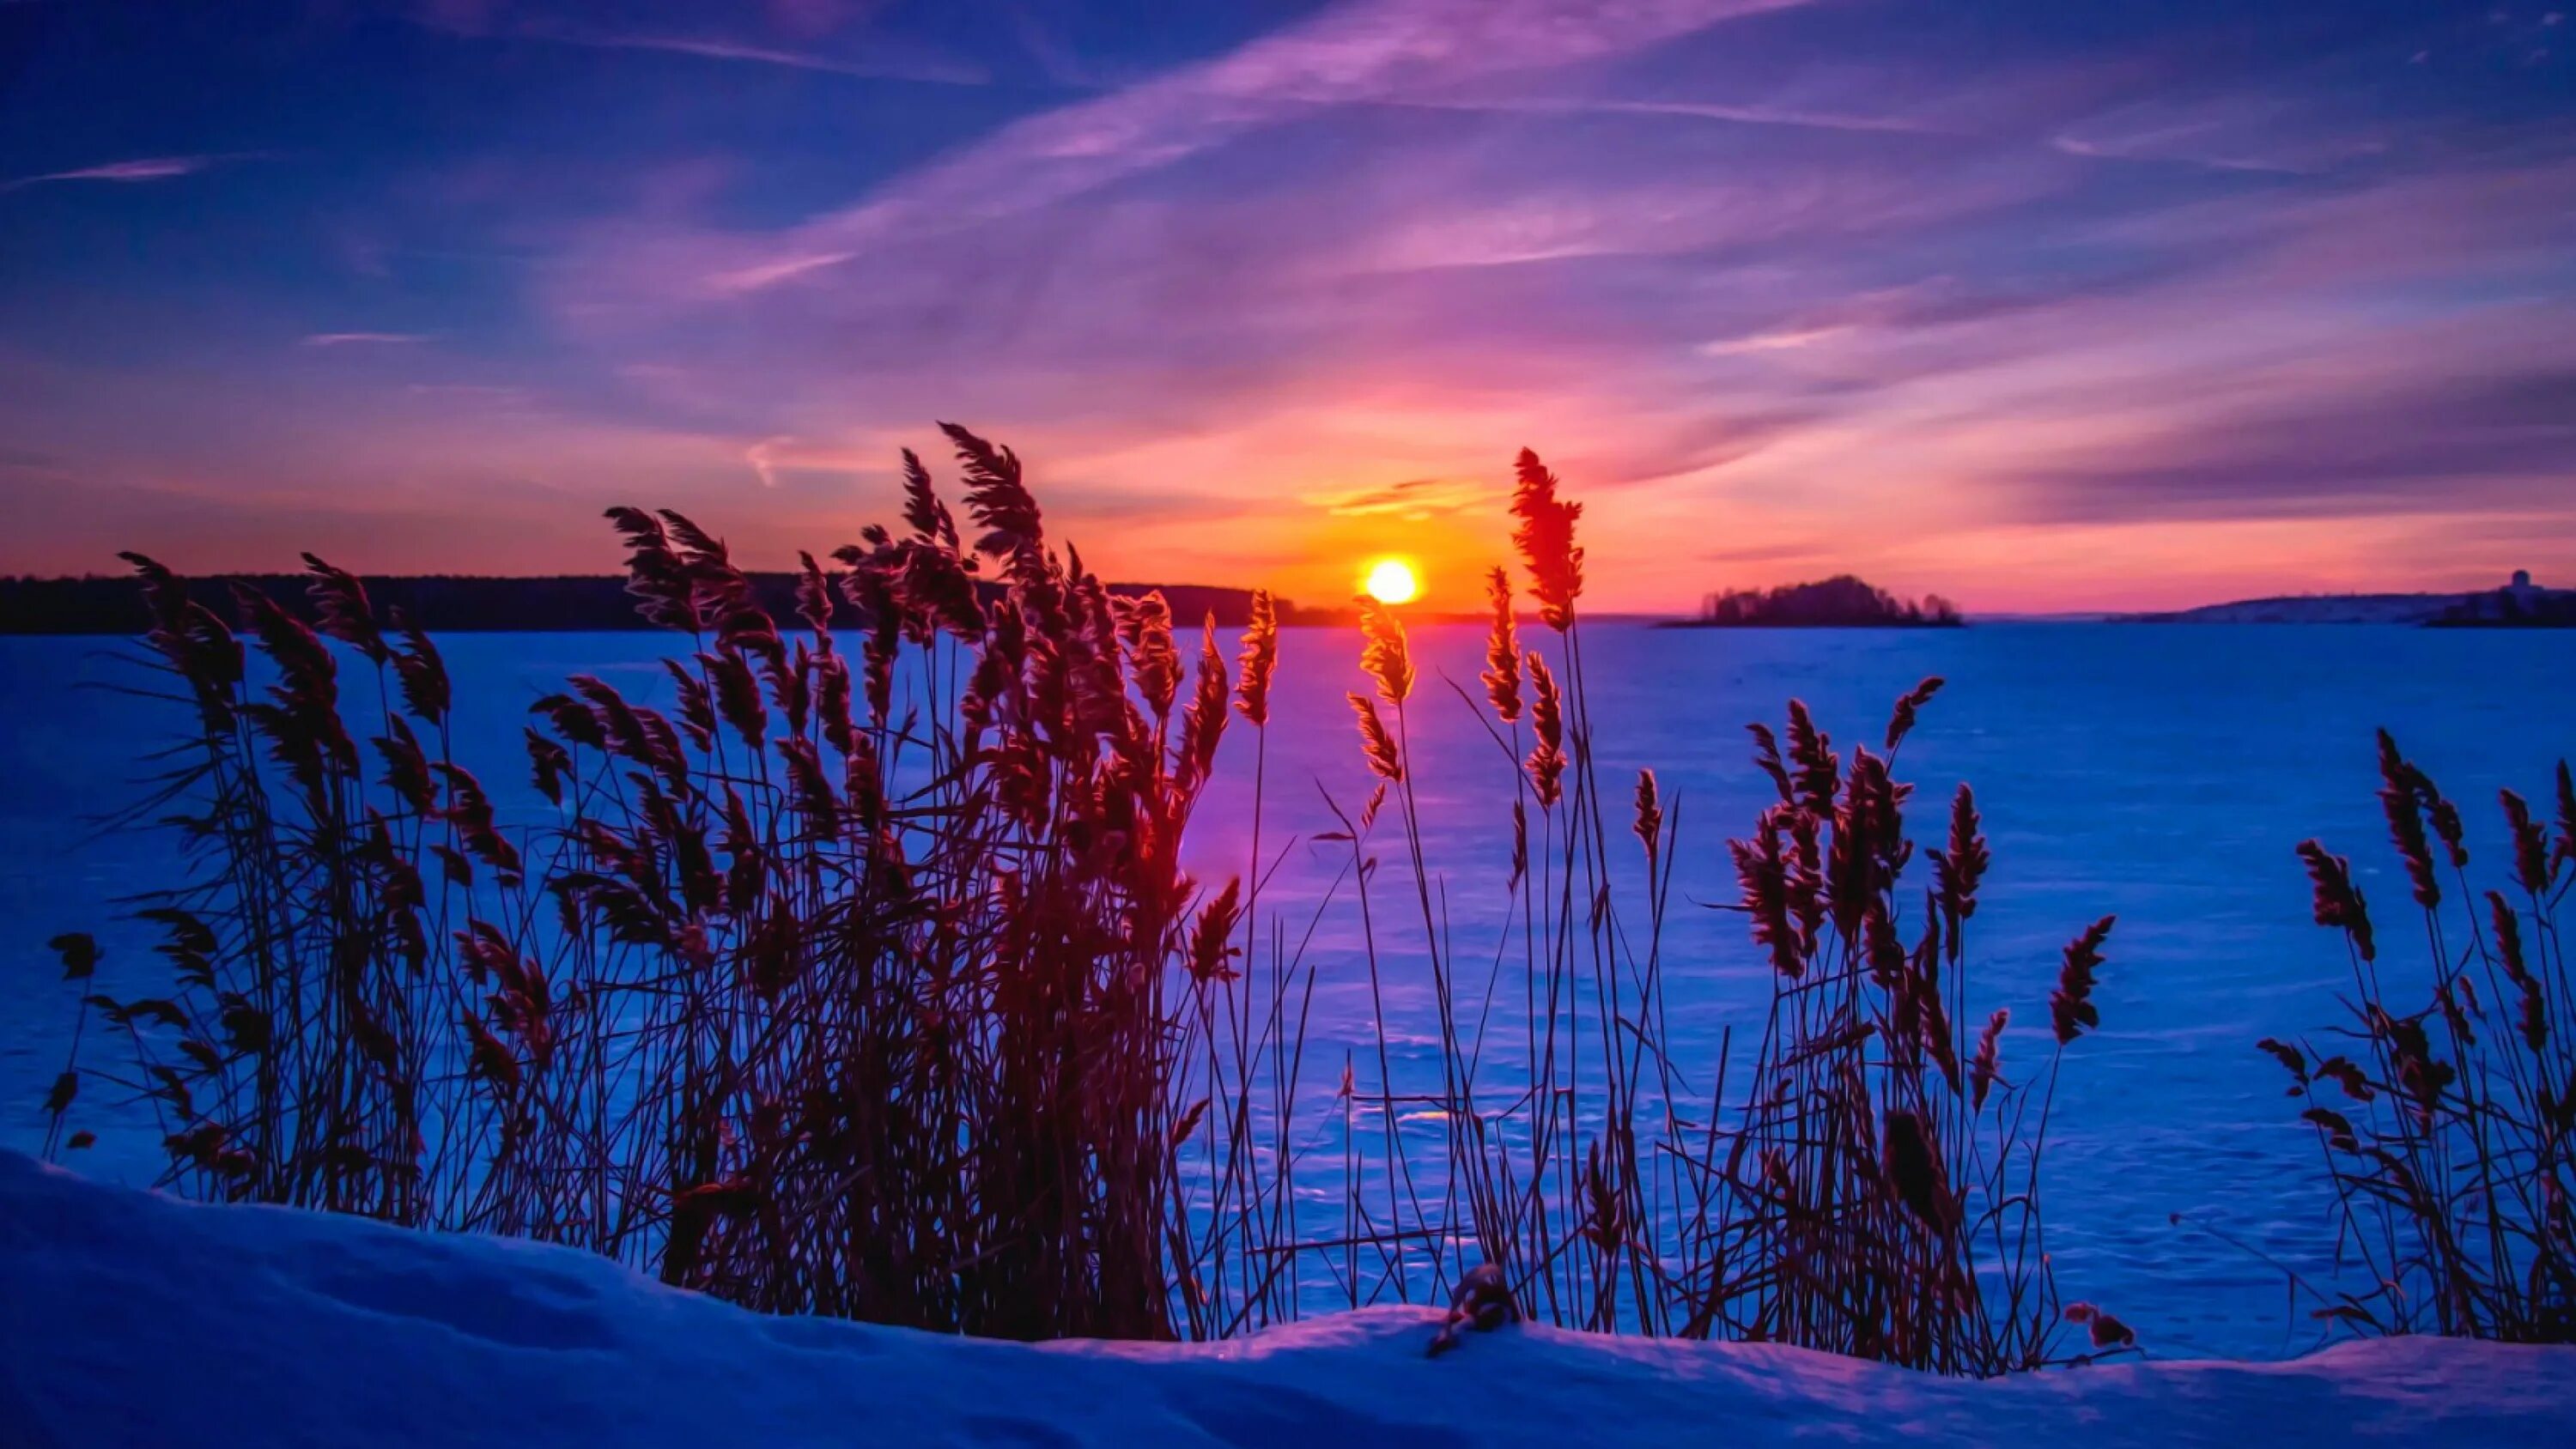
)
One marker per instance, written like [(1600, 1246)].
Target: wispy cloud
[(146, 168), (2339, 447), (1783, 340), (362, 339), (2264, 135), (1735, 113), (1349, 54), (885, 64), (1412, 500), (763, 458), (784, 460)]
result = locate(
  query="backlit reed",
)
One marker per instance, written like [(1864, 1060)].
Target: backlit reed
[(2449, 1133), (863, 976)]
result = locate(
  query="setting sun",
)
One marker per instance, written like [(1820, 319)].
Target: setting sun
[(1392, 581)]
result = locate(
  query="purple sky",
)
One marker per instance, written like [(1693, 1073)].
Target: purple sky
[(2038, 305)]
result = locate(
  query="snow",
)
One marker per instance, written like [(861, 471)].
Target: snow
[(131, 1318), (2162, 773)]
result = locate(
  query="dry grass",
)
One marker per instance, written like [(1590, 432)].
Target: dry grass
[(872, 985), (868, 986), (2449, 1132), (1871, 1188)]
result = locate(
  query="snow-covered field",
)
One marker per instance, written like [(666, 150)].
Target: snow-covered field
[(2162, 773), (129, 1318)]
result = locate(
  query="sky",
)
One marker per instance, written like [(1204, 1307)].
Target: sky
[(2037, 304)]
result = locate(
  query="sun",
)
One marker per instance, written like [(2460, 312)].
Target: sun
[(1392, 581)]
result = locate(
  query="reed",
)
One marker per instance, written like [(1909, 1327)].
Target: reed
[(863, 976), (1871, 1188), (871, 988), (2446, 1135)]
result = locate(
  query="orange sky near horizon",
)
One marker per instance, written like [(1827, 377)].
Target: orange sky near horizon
[(2043, 309), (1308, 535)]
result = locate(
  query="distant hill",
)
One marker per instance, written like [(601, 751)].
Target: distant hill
[(1840, 602), (2308, 609), (459, 604), (2519, 604)]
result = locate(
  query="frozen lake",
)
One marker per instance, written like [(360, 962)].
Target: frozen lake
[(2162, 773)]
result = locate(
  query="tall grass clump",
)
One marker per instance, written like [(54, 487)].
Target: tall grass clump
[(2445, 1108), (1871, 1188), (860, 983), (861, 974)]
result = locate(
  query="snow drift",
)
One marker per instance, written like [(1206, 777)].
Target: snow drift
[(130, 1318)]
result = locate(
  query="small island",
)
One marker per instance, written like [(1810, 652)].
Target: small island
[(1841, 602)]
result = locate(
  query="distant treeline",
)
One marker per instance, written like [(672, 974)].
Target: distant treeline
[(1842, 601), (456, 604)]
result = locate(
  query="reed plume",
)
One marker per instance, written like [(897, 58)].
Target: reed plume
[(1258, 661), (1502, 673), (2334, 900), (1386, 656), (2566, 849), (1545, 536), (1376, 744), (1986, 1067), (1547, 722), (2401, 796), (2533, 869), (1203, 721), (1901, 721), (2070, 1006)]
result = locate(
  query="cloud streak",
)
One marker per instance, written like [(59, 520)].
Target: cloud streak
[(141, 169), (923, 69), (2476, 443), (1351, 54)]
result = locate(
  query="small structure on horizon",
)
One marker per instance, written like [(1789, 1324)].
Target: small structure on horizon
[(2520, 604)]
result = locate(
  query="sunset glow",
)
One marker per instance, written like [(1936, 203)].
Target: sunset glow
[(1392, 581), (1959, 298)]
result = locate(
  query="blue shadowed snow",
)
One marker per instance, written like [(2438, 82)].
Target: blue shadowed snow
[(2161, 773), (127, 1318)]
